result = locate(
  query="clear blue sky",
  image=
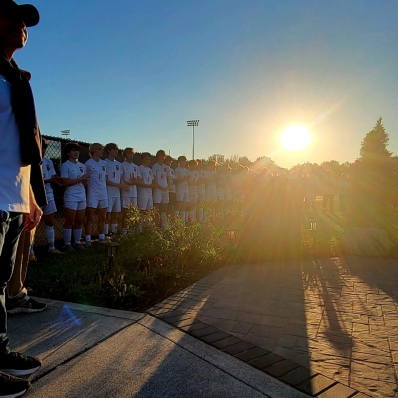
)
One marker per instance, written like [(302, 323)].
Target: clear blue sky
[(133, 72)]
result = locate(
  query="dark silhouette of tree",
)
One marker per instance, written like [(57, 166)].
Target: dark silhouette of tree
[(245, 161), (218, 158), (374, 145), (372, 182)]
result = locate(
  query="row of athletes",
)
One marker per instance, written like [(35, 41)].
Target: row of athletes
[(110, 187)]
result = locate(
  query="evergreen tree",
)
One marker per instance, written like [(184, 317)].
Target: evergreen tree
[(371, 183), (374, 145)]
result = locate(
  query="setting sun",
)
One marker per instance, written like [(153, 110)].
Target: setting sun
[(295, 138)]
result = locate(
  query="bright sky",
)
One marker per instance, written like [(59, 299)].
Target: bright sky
[(133, 72)]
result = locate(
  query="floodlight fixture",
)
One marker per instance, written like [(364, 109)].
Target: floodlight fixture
[(193, 123)]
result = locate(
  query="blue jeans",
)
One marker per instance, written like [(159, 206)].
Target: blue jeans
[(10, 229)]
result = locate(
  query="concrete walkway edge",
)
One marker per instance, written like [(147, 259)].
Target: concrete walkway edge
[(237, 369)]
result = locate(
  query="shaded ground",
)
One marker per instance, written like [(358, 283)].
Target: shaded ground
[(337, 317), (167, 286), (103, 353)]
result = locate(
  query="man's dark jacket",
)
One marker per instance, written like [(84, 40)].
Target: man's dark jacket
[(24, 109)]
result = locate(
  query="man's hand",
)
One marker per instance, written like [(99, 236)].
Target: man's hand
[(33, 218)]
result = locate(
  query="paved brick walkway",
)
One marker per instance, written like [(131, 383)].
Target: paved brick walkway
[(337, 318)]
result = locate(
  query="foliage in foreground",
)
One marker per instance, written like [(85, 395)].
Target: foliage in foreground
[(144, 259), (155, 259)]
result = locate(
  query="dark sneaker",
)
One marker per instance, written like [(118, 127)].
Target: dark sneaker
[(16, 364), (12, 387), (29, 307), (69, 248), (55, 251), (79, 246)]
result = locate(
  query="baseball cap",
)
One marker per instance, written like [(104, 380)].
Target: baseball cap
[(27, 12)]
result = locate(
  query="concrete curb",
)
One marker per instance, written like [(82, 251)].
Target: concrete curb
[(133, 316), (246, 374)]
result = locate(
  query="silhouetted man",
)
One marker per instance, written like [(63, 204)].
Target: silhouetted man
[(21, 183)]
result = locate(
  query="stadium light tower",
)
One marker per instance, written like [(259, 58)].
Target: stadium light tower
[(65, 133), (193, 123)]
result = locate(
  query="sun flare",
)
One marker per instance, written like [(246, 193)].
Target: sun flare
[(295, 138)]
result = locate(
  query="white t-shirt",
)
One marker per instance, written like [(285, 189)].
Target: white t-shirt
[(146, 177), (181, 172), (96, 185), (73, 171), (48, 172), (130, 170), (14, 179), (114, 173), (160, 174)]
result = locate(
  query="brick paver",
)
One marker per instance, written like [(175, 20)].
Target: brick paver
[(337, 317)]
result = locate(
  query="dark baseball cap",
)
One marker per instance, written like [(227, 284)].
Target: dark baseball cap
[(28, 13)]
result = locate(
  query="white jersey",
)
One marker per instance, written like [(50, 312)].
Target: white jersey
[(172, 187), (211, 179), (96, 186), (193, 179), (161, 173), (48, 172), (221, 179), (194, 176), (202, 176), (130, 170), (114, 173), (73, 171), (146, 177), (181, 172)]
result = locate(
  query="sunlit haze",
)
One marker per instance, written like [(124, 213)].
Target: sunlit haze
[(295, 138), (134, 72)]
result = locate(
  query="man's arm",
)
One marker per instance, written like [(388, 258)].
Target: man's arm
[(33, 218)]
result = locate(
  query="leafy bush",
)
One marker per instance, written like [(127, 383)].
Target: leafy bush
[(146, 256)]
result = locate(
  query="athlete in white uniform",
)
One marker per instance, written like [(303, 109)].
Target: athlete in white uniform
[(172, 188), (193, 181), (114, 183), (201, 189), (97, 197), (49, 177), (145, 183), (226, 171), (161, 174), (74, 176), (182, 194), (211, 187), (130, 177)]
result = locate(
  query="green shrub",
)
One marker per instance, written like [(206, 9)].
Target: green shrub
[(146, 256)]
